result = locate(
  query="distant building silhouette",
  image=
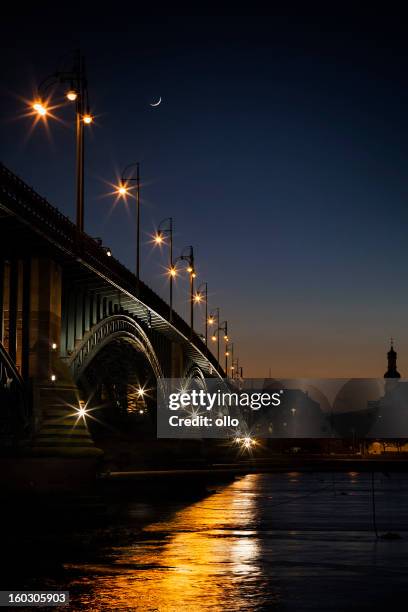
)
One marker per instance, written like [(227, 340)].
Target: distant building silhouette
[(392, 375), (392, 371), (391, 414)]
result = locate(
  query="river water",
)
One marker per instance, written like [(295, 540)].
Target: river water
[(263, 542)]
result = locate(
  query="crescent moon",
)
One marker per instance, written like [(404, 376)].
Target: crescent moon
[(157, 103)]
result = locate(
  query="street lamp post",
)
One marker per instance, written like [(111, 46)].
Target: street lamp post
[(198, 297), (163, 231), (220, 327), (78, 93), (215, 317), (235, 369), (227, 353), (232, 359), (224, 327), (123, 191), (187, 255)]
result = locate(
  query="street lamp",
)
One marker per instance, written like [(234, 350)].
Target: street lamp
[(230, 351), (187, 254), (166, 229), (227, 354), (215, 337), (200, 296), (105, 248), (215, 318), (78, 93), (40, 108), (235, 368), (123, 191)]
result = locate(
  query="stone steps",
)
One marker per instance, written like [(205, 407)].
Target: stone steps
[(61, 429)]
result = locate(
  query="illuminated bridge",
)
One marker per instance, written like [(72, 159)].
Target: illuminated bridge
[(75, 328)]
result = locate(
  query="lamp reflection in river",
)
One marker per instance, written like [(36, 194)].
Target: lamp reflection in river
[(193, 560), (200, 548)]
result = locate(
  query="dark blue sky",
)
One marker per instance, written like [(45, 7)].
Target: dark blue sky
[(280, 149)]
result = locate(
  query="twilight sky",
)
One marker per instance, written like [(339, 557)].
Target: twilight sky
[(280, 149)]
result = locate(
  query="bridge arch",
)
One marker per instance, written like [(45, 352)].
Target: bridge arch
[(116, 327), (118, 373), (193, 376)]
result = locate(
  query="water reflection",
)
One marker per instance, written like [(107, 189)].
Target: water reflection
[(268, 539), (201, 558)]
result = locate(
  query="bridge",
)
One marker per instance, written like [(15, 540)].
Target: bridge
[(77, 329)]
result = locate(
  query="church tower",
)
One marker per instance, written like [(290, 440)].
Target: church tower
[(392, 371)]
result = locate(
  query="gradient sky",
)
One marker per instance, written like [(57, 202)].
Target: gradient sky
[(280, 149)]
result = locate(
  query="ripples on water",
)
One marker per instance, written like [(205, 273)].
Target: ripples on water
[(267, 541)]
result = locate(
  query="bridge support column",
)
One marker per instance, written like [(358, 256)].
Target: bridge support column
[(57, 430), (45, 318), (15, 311)]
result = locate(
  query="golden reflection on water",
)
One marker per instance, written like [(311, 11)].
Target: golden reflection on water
[(203, 557)]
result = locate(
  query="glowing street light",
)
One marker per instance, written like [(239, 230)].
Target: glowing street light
[(229, 350), (40, 108), (214, 318), (78, 93), (200, 296), (141, 392), (81, 411), (71, 95), (123, 191), (107, 249), (245, 442), (166, 229)]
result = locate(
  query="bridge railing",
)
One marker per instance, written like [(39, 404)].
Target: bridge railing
[(48, 220)]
